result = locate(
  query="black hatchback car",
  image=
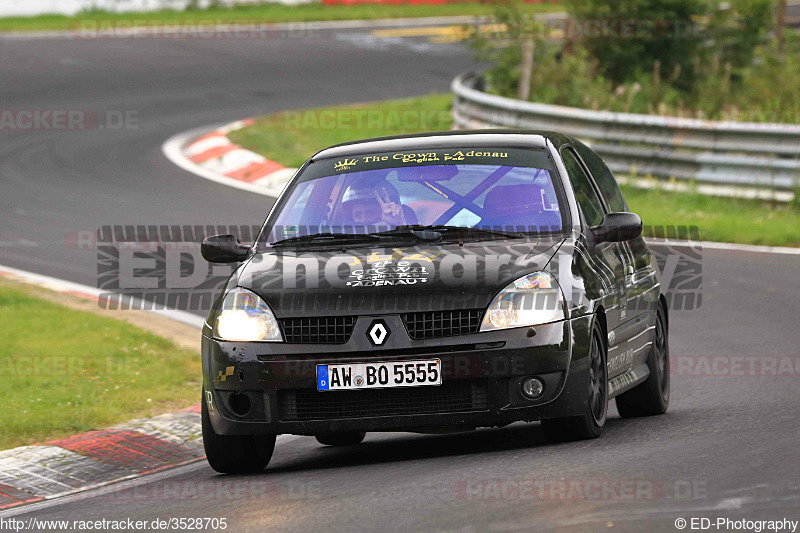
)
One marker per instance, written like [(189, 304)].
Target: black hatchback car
[(434, 282)]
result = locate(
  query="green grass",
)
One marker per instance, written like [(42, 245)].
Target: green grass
[(66, 371), (291, 137), (718, 218), (265, 13)]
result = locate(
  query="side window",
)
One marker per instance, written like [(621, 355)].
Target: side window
[(584, 192), (604, 178)]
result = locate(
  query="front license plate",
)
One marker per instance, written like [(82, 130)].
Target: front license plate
[(379, 375)]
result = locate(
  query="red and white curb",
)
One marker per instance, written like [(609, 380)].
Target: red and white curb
[(90, 460), (211, 155)]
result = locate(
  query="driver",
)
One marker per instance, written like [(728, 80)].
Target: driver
[(373, 204)]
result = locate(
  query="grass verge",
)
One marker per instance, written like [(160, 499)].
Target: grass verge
[(67, 371), (718, 218), (266, 13), (291, 137)]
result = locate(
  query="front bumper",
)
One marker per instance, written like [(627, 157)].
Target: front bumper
[(481, 373)]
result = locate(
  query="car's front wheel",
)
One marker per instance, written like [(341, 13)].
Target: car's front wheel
[(235, 454), (344, 438), (590, 425)]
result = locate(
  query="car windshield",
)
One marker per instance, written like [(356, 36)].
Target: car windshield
[(487, 194)]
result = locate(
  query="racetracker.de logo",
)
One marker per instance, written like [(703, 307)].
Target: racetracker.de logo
[(66, 120), (200, 28), (497, 489), (735, 365), (212, 491)]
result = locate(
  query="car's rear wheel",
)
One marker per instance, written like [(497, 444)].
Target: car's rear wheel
[(652, 396), (235, 454), (344, 438), (590, 425)]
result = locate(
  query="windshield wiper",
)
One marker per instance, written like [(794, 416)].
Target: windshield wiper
[(443, 228), (328, 238), (415, 232)]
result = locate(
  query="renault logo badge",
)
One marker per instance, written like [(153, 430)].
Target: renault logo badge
[(378, 332)]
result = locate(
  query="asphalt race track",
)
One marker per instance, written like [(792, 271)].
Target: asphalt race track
[(55, 182), (727, 448)]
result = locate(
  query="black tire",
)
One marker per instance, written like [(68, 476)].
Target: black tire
[(235, 454), (344, 438), (652, 396), (591, 424)]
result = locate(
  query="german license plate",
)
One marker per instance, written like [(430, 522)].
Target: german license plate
[(354, 376)]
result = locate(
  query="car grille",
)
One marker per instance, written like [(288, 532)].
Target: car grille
[(318, 330), (433, 324), (451, 396)]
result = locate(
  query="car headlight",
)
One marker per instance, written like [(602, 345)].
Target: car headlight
[(244, 316), (528, 301)]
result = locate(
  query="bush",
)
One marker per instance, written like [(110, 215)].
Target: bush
[(668, 35), (730, 70)]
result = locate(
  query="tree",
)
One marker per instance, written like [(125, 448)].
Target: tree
[(627, 38)]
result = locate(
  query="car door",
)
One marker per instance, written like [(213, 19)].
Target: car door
[(641, 283), (606, 261)]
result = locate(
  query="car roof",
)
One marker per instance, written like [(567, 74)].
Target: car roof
[(446, 139)]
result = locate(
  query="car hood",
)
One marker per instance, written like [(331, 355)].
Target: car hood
[(387, 280)]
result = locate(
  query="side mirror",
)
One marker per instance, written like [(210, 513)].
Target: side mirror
[(618, 227), (223, 249)]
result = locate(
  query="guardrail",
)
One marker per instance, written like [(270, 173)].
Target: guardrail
[(731, 153)]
